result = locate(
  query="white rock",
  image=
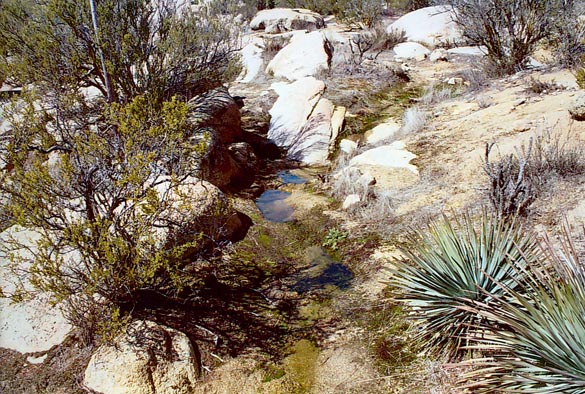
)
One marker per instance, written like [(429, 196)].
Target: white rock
[(148, 359), (367, 179), (33, 325), (439, 54), (91, 92), (313, 141), (252, 62), (307, 54), (350, 201), (533, 63), (382, 132), (301, 120), (411, 50), (577, 214), (278, 20), (36, 360), (455, 81), (469, 51), (348, 146), (577, 108), (390, 156), (193, 207), (431, 26)]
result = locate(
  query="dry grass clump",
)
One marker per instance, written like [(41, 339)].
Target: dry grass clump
[(437, 94), (375, 207), (349, 180), (516, 180), (414, 119), (273, 45), (475, 79), (537, 86)]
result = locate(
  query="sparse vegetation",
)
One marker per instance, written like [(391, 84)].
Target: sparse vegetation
[(510, 30), (511, 191), (537, 86), (517, 180), (370, 44), (580, 77), (437, 94), (273, 45), (414, 119), (333, 238)]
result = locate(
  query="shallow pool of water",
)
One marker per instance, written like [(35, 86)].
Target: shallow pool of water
[(288, 178), (273, 207), (323, 271)]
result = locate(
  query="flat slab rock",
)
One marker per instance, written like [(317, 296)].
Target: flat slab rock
[(383, 132), (390, 156)]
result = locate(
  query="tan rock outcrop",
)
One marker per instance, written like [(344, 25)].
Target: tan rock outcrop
[(147, 359)]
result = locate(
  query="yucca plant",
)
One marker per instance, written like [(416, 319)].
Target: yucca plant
[(542, 338), (451, 268)]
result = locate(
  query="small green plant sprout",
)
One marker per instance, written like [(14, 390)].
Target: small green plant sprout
[(334, 237)]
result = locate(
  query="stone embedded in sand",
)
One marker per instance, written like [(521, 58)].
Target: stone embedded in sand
[(431, 26), (147, 359), (411, 50), (278, 20), (391, 156), (307, 54), (348, 146), (439, 54), (382, 132), (389, 165), (350, 202)]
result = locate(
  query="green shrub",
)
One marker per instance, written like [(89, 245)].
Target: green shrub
[(407, 5), (354, 13), (86, 172), (540, 346), (334, 237), (450, 267), (509, 29)]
